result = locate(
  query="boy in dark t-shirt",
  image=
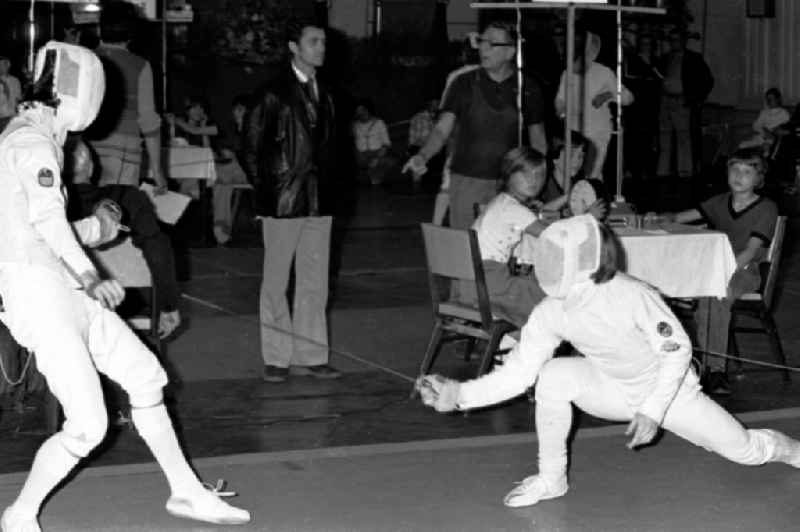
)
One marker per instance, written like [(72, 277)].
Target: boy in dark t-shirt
[(749, 221)]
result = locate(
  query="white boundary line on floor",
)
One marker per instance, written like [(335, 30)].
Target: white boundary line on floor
[(377, 449)]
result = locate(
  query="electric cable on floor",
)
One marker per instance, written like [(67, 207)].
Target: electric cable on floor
[(411, 379), (260, 322)]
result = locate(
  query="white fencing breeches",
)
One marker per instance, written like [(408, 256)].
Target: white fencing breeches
[(73, 337), (692, 415)]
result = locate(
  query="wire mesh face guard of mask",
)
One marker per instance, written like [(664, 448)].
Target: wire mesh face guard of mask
[(567, 253), (78, 83)]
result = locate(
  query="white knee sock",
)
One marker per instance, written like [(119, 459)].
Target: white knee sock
[(553, 421), (155, 428), (52, 463)]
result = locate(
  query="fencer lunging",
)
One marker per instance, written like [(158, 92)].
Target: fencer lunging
[(57, 306), (636, 364)]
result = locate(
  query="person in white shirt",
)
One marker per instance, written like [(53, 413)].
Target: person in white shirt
[(593, 88), (769, 119), (500, 229), (635, 368), (56, 305), (372, 143)]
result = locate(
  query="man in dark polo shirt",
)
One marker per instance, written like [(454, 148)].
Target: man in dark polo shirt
[(484, 105)]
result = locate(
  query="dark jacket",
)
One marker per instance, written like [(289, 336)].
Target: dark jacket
[(696, 77), (287, 150)]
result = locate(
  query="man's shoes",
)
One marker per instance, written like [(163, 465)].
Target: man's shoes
[(534, 489), (275, 373), (717, 383), (320, 371), (208, 508)]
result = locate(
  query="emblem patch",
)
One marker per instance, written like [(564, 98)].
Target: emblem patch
[(670, 347), (46, 178), (664, 329)]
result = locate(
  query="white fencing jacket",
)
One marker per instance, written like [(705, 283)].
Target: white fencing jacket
[(622, 327)]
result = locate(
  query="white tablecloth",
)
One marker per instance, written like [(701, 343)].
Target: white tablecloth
[(680, 260), (190, 162)]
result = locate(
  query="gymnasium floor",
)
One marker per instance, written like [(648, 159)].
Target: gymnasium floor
[(455, 485), (358, 455)]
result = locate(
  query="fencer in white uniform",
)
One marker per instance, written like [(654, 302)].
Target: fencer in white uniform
[(57, 306), (636, 364)]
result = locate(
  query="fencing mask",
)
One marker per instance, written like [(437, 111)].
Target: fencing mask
[(75, 76), (567, 253)]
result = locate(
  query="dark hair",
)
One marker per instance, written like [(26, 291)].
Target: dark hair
[(577, 140), (118, 21), (196, 102), (751, 157), (295, 27), (520, 159), (774, 91), (367, 104), (612, 256), (504, 25)]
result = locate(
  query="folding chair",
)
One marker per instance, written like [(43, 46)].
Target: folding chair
[(453, 254), (758, 305)]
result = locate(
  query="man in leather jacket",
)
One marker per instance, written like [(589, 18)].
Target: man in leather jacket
[(287, 154)]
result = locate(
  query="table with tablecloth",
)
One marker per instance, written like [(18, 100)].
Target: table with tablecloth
[(192, 164), (681, 261)]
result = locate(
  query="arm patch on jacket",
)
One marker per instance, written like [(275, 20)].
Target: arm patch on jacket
[(664, 329), (46, 177)]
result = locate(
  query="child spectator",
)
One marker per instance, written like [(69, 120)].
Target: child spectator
[(556, 200), (769, 119), (556, 185), (372, 144), (197, 128), (500, 228), (749, 221)]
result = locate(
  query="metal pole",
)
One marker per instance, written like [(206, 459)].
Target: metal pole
[(520, 120), (561, 5), (618, 198), (32, 38), (163, 56), (569, 111), (377, 18)]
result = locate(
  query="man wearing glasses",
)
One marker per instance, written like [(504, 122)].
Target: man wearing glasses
[(483, 103)]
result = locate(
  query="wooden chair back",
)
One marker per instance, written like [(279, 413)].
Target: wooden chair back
[(774, 259), (454, 254)]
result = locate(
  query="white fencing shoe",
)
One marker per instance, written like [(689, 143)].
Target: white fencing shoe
[(14, 521), (534, 489), (207, 506)]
